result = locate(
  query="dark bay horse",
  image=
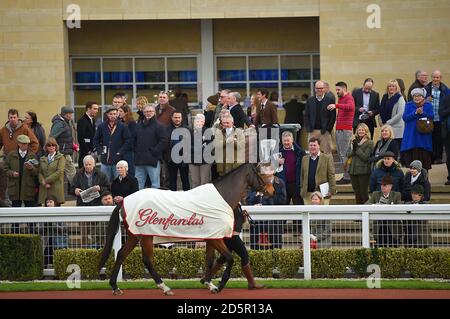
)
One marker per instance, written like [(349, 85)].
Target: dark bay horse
[(232, 187)]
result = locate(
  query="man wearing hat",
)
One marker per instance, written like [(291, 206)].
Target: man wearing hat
[(386, 233), (417, 145), (62, 131), (21, 169), (416, 176), (387, 166)]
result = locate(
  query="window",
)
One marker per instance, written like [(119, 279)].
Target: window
[(99, 78), (287, 74)]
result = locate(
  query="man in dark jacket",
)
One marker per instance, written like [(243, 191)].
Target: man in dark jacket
[(62, 130), (112, 139), (89, 177), (181, 105), (420, 82), (267, 234), (319, 121), (236, 111), (388, 166), (174, 164), (416, 176), (86, 131), (3, 187), (367, 103), (150, 142)]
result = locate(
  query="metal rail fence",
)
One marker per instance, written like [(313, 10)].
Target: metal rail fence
[(289, 227)]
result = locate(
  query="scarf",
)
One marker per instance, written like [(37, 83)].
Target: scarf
[(386, 106)]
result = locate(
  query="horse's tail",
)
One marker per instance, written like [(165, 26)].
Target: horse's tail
[(113, 227)]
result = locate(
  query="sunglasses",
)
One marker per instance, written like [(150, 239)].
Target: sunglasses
[(50, 145)]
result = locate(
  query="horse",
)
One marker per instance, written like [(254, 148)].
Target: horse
[(231, 187)]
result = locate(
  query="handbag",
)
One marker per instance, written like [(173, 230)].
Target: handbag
[(425, 125)]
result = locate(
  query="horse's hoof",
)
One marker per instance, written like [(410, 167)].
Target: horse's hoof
[(215, 290), (169, 292), (117, 292)]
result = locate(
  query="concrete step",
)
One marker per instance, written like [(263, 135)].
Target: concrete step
[(350, 239)]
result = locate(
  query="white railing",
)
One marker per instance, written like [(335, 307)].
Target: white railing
[(365, 214)]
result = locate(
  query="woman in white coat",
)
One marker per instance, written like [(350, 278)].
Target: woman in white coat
[(391, 109)]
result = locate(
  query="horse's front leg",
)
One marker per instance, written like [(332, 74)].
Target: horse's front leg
[(147, 258), (121, 256)]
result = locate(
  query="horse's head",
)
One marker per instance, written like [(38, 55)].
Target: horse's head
[(261, 178)]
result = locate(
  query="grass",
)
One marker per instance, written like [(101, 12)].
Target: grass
[(195, 284)]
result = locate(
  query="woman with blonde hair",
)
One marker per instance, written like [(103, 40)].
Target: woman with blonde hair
[(359, 166), (391, 109), (141, 101), (386, 143)]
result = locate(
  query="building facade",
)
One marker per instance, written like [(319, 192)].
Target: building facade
[(49, 58)]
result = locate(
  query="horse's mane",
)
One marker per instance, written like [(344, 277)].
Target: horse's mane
[(220, 178)]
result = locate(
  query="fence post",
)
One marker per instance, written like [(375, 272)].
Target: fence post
[(365, 230), (306, 247), (117, 244)]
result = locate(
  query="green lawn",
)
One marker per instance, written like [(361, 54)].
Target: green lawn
[(195, 284)]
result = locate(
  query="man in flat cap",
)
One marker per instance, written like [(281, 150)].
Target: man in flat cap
[(62, 130), (386, 233), (21, 169)]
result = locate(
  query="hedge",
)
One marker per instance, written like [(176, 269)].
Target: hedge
[(325, 263), (21, 257)]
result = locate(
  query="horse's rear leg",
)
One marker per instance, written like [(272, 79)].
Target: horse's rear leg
[(209, 261), (121, 255), (223, 250), (147, 258)]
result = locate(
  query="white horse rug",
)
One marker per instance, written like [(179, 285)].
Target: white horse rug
[(200, 213)]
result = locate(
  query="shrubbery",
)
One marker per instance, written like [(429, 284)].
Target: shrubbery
[(21, 257), (325, 263)]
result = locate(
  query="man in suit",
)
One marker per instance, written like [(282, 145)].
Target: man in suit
[(317, 168), (367, 102), (86, 131), (236, 111), (319, 121), (266, 114)]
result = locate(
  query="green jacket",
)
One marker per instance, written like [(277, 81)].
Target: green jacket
[(360, 164), (21, 187), (52, 174), (394, 198)]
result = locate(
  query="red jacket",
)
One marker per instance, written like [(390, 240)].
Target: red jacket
[(346, 107)]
